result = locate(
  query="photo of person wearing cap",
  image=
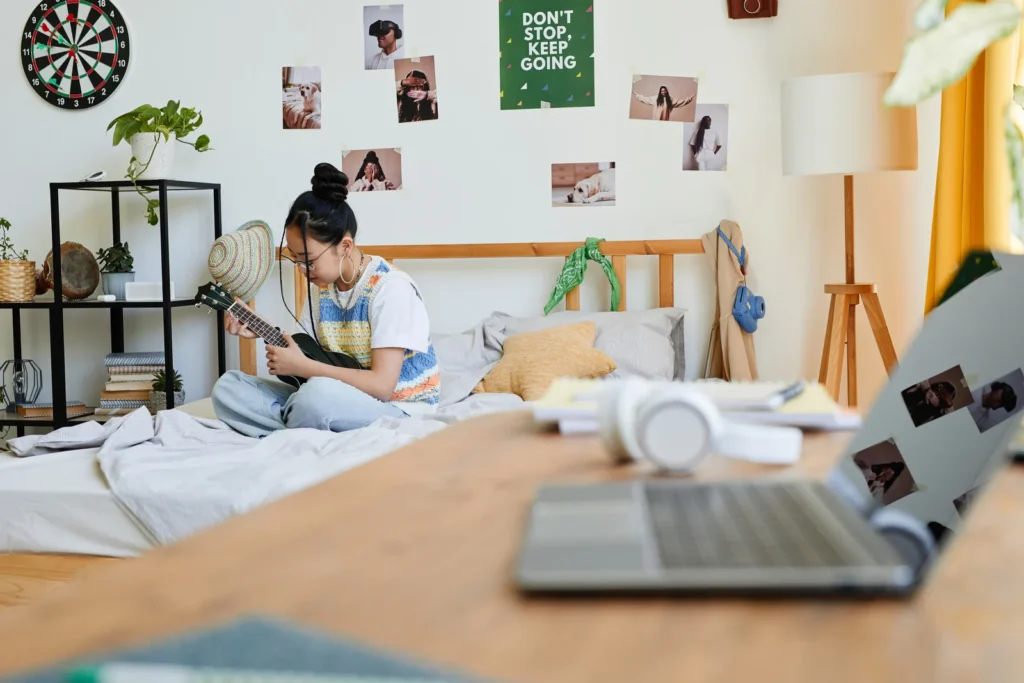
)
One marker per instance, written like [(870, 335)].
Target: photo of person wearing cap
[(383, 39)]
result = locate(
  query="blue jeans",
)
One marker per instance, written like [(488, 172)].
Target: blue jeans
[(256, 407)]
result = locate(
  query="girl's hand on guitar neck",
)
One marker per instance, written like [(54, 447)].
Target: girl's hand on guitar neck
[(233, 325), (289, 360)]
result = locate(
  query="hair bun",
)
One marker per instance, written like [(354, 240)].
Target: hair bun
[(372, 156), (329, 183)]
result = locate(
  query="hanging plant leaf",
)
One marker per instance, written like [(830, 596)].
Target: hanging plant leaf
[(1015, 152), (1018, 95), (942, 55), (930, 14)]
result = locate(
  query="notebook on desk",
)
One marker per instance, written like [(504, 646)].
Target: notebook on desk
[(572, 404)]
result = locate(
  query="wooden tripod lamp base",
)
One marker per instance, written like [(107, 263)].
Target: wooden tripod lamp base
[(842, 329)]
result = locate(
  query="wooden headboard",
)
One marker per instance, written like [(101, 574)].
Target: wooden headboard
[(665, 250)]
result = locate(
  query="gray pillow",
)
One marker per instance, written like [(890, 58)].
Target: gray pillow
[(647, 344), (464, 359)]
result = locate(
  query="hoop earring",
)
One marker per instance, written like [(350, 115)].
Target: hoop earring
[(351, 260)]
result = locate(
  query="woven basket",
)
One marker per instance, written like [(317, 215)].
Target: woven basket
[(17, 280)]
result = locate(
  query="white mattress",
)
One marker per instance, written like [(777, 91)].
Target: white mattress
[(60, 503)]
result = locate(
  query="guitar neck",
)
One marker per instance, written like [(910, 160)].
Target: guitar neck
[(270, 334)]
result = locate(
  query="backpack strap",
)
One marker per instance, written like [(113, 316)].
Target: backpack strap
[(741, 257)]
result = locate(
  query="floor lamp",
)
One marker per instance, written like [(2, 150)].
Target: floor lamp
[(838, 125)]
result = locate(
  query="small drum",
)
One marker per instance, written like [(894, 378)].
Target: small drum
[(80, 274)]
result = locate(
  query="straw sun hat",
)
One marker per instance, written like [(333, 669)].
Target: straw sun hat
[(241, 260)]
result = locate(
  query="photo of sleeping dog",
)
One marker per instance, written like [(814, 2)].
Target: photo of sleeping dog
[(590, 184), (300, 97)]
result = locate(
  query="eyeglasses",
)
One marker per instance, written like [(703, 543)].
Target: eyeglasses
[(305, 264)]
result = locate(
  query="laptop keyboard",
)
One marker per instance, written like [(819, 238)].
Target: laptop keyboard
[(740, 525)]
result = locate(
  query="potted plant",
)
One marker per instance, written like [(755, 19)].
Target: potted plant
[(158, 394), (148, 130), (17, 273), (116, 269)]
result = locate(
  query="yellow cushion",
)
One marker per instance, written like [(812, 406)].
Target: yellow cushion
[(531, 361)]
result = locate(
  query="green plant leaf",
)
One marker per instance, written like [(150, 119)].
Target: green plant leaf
[(941, 56), (119, 132), (1018, 95), (202, 143), (172, 108), (930, 14), (1015, 154), (131, 129)]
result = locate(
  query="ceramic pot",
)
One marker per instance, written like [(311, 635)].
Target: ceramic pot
[(113, 283), (158, 400), (162, 163)]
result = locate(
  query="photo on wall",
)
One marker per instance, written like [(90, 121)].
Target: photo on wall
[(998, 401), (590, 184), (663, 98), (706, 140), (300, 97), (416, 85), (383, 36), (964, 502), (373, 170), (885, 472), (937, 396), (546, 53)]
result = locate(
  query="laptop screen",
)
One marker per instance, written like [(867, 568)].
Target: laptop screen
[(940, 428)]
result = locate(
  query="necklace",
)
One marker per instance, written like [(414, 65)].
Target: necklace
[(352, 292)]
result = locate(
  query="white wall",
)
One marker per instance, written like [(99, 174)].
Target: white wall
[(480, 175)]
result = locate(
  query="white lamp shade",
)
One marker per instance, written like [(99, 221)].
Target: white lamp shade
[(838, 124)]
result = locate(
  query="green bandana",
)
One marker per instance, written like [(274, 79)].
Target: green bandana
[(575, 268)]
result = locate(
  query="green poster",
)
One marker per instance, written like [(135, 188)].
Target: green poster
[(547, 53)]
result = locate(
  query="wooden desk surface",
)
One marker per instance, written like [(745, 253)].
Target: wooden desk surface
[(414, 552)]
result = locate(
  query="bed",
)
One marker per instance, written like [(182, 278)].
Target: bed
[(88, 501)]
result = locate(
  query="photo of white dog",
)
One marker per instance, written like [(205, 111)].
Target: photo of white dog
[(310, 97), (590, 184), (301, 89)]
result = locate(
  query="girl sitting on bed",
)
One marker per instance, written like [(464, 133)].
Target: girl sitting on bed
[(362, 306)]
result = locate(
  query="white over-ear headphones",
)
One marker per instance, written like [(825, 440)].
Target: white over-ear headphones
[(675, 427)]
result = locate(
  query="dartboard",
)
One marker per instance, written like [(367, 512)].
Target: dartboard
[(75, 52)]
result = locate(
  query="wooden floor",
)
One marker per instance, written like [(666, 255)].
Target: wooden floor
[(26, 578)]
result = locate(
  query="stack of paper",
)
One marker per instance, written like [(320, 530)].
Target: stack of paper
[(572, 404)]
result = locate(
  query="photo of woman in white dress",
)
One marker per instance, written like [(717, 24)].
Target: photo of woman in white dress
[(706, 141)]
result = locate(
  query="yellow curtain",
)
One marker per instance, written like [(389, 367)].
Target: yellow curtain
[(972, 189)]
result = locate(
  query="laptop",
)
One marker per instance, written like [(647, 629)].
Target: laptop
[(935, 435)]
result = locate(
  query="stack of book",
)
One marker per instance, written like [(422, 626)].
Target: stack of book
[(45, 410), (129, 380)]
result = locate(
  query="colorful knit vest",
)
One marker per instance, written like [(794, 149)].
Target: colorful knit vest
[(348, 331)]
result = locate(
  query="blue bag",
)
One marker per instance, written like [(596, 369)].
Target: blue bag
[(747, 308)]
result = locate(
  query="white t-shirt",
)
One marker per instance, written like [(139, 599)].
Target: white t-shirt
[(710, 141), (381, 61), (398, 318)]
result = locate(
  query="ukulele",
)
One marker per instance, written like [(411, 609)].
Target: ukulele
[(216, 298)]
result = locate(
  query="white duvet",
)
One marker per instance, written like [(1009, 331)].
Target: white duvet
[(177, 474)]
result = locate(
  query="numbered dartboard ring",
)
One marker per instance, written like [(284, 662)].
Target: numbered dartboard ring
[(75, 53)]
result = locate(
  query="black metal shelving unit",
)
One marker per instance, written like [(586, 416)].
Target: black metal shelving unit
[(58, 305)]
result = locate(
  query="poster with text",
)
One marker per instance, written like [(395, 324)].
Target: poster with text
[(547, 53)]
